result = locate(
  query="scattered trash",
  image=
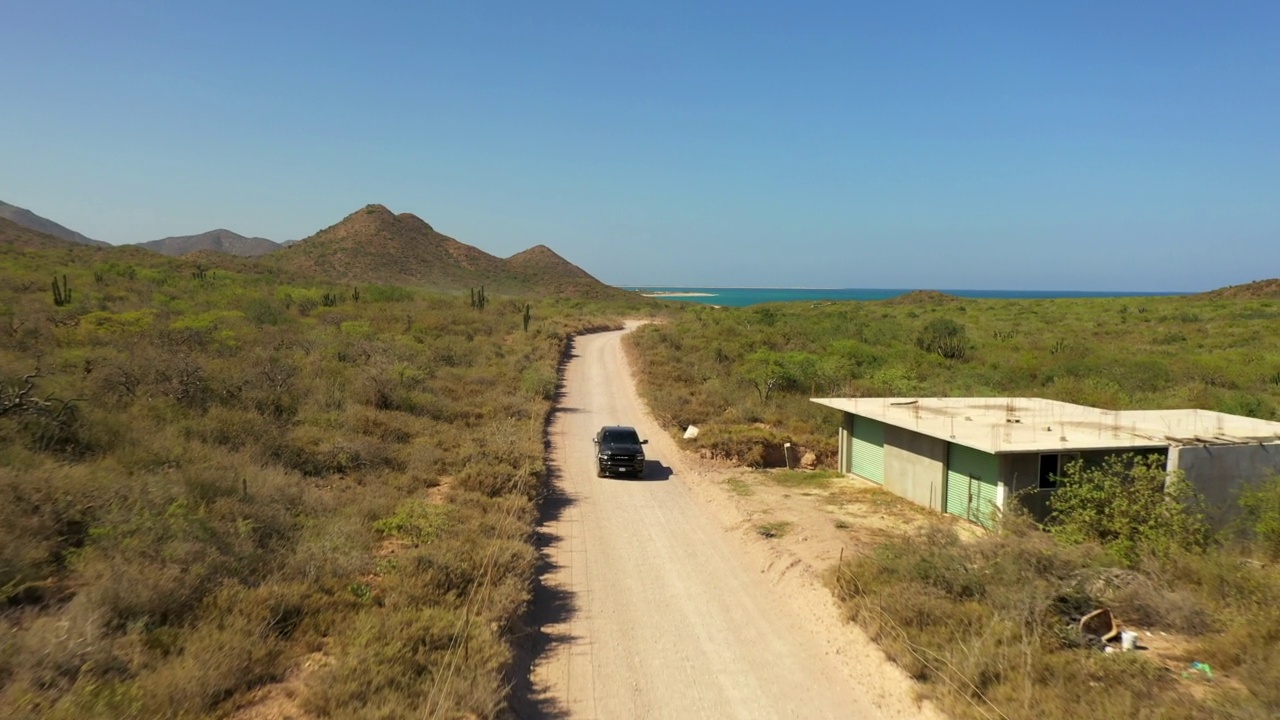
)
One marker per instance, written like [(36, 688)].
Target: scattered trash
[(1199, 667), (1128, 640), (1099, 624), (690, 433)]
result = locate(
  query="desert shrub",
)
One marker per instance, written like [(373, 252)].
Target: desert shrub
[(406, 662), (318, 453), (45, 518), (223, 503), (1261, 515), (386, 293), (988, 626), (387, 426), (944, 337), (768, 371), (238, 648), (1130, 505), (43, 422), (416, 520), (1143, 598), (60, 646), (493, 480), (1247, 404), (385, 391), (539, 382), (261, 311)]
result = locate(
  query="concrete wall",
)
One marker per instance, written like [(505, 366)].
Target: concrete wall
[(1220, 472), (915, 466), (1020, 475), (844, 437)]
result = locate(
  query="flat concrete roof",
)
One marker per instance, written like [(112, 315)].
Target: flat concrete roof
[(1020, 425)]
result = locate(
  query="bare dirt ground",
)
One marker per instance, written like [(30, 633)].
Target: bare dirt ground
[(282, 700), (661, 597)]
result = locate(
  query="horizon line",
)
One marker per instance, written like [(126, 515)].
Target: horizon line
[(888, 289)]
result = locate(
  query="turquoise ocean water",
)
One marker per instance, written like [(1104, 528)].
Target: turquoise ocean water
[(740, 297)]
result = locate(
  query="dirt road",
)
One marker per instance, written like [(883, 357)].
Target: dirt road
[(652, 607)]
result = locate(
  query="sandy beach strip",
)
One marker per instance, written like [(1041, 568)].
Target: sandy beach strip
[(677, 294)]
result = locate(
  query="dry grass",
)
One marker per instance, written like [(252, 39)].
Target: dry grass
[(813, 480), (987, 626), (214, 504), (774, 529)]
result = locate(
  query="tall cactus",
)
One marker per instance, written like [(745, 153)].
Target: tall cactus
[(527, 315), (61, 295)]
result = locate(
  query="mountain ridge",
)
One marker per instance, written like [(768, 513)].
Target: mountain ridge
[(370, 245), (219, 240), (374, 244), (32, 221), (23, 237)]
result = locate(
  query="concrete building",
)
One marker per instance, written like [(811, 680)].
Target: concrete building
[(969, 456)]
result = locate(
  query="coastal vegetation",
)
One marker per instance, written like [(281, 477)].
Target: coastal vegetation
[(744, 376), (217, 474), (986, 621)]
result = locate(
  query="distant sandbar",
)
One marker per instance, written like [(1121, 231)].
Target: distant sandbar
[(677, 294)]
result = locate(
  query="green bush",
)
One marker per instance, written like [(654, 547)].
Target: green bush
[(260, 311), (1130, 505), (386, 293), (944, 337), (416, 520), (1261, 516)]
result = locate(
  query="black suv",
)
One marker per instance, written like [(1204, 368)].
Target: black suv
[(618, 451)]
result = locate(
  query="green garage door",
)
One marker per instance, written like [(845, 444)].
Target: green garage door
[(972, 477), (867, 457)]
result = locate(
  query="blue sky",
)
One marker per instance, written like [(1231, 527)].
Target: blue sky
[(1011, 145)]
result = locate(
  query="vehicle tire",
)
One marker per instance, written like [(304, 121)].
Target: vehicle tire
[(599, 471)]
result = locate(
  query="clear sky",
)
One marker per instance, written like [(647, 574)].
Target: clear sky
[(1012, 145)]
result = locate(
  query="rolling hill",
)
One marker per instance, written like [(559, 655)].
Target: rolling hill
[(32, 221), (374, 244), (19, 236), (1256, 290), (219, 240), (542, 261)]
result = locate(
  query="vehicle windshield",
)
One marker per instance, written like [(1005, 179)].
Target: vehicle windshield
[(621, 436)]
